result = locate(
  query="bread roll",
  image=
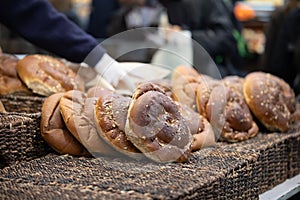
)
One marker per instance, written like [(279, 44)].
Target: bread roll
[(234, 82), (156, 127), (185, 81), (271, 100), (110, 118), (200, 128), (46, 75), (183, 70), (54, 131), (10, 83), (78, 113), (165, 85), (227, 111)]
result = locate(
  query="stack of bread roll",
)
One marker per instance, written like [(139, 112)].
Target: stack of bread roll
[(149, 124), (36, 74), (163, 120), (166, 120), (234, 105)]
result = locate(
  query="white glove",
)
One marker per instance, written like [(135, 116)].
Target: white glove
[(113, 72)]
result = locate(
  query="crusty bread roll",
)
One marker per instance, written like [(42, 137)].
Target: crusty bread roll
[(227, 111), (185, 81), (271, 100), (165, 85), (199, 126), (2, 109), (234, 82), (183, 70), (156, 127), (10, 83), (46, 75), (78, 113), (203, 92), (110, 118), (54, 131)]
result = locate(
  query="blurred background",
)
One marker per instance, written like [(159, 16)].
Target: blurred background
[(256, 27)]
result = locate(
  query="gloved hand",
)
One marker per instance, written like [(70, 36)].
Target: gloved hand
[(123, 77), (113, 72)]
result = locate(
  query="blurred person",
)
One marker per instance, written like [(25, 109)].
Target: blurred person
[(285, 61), (109, 17), (134, 14), (41, 24), (211, 25), (272, 31), (100, 16), (66, 7)]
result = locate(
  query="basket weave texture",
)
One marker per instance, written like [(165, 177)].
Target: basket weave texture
[(20, 138), (22, 104), (227, 171)]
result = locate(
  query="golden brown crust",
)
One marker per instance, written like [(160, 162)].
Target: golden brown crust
[(183, 70), (165, 85), (54, 131), (156, 127), (184, 90), (200, 128), (185, 81), (9, 80), (110, 118), (78, 113), (234, 82), (227, 111), (203, 92), (71, 103), (270, 99), (46, 75), (2, 109)]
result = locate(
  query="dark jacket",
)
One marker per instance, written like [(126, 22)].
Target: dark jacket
[(211, 26), (100, 17), (38, 22), (284, 61)]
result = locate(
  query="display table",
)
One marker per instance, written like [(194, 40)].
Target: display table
[(227, 171)]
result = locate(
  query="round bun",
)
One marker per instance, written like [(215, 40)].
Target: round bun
[(200, 128), (203, 92), (156, 127), (185, 81), (184, 90), (183, 70), (227, 111), (54, 131), (165, 85), (110, 118), (2, 109), (271, 100), (46, 75), (10, 83), (78, 113), (234, 82)]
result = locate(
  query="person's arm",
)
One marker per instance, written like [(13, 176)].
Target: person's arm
[(38, 22)]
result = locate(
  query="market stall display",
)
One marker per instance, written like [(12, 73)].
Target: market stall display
[(36, 163)]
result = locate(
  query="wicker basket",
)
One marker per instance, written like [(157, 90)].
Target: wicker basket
[(211, 174), (227, 171), (20, 138), (22, 104), (278, 156)]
